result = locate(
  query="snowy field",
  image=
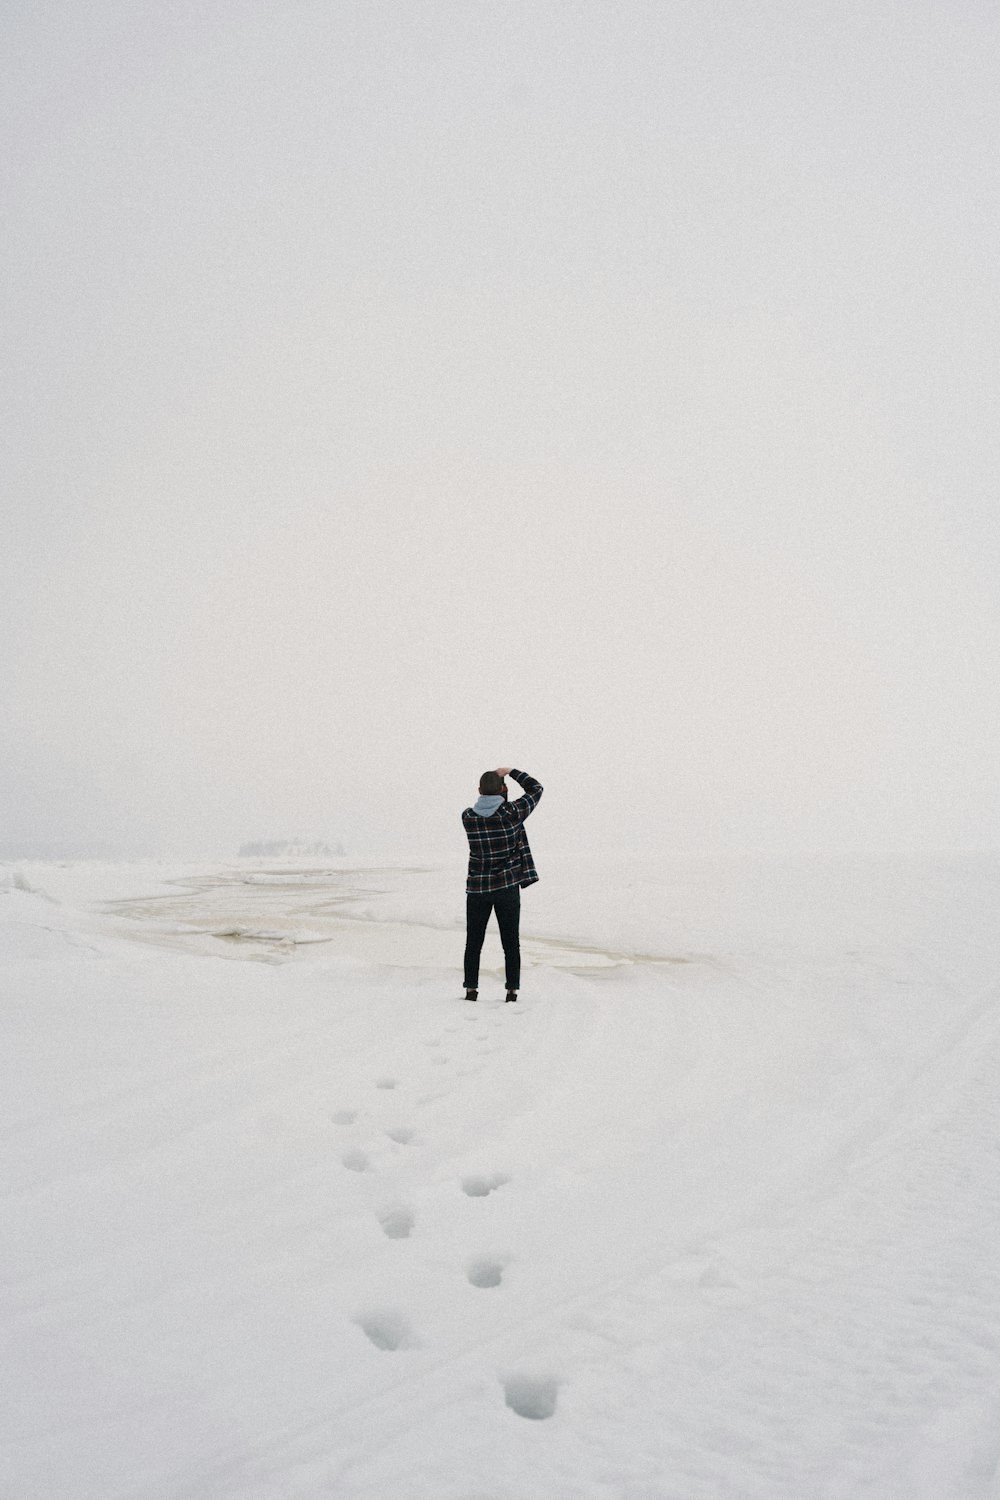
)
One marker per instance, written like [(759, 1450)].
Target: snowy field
[(713, 1211)]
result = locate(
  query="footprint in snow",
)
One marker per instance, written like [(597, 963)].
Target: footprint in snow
[(481, 1187), (387, 1083), (397, 1221), (344, 1116), (531, 1396), (401, 1134), (486, 1271), (355, 1161), (386, 1328)]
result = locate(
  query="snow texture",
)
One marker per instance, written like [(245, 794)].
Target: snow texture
[(711, 1214)]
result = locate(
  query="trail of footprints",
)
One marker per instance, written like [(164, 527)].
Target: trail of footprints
[(528, 1395)]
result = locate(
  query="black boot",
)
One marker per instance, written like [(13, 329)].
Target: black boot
[(472, 994), (511, 995)]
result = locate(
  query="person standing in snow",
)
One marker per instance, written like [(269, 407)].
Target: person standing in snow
[(500, 863)]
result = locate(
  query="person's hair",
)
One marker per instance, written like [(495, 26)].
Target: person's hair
[(490, 784)]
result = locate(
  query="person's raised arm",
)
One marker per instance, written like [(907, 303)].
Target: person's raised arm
[(532, 792)]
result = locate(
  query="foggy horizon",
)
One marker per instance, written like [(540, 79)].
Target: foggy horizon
[(392, 392)]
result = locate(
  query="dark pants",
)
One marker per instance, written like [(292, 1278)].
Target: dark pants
[(507, 905)]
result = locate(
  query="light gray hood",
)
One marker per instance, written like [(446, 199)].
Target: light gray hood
[(487, 806)]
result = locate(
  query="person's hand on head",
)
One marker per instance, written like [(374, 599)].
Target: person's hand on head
[(504, 770)]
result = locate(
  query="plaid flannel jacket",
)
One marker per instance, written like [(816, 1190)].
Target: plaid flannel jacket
[(499, 855)]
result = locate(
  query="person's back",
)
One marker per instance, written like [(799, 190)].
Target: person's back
[(500, 863)]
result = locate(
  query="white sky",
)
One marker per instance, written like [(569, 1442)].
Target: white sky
[(395, 390)]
